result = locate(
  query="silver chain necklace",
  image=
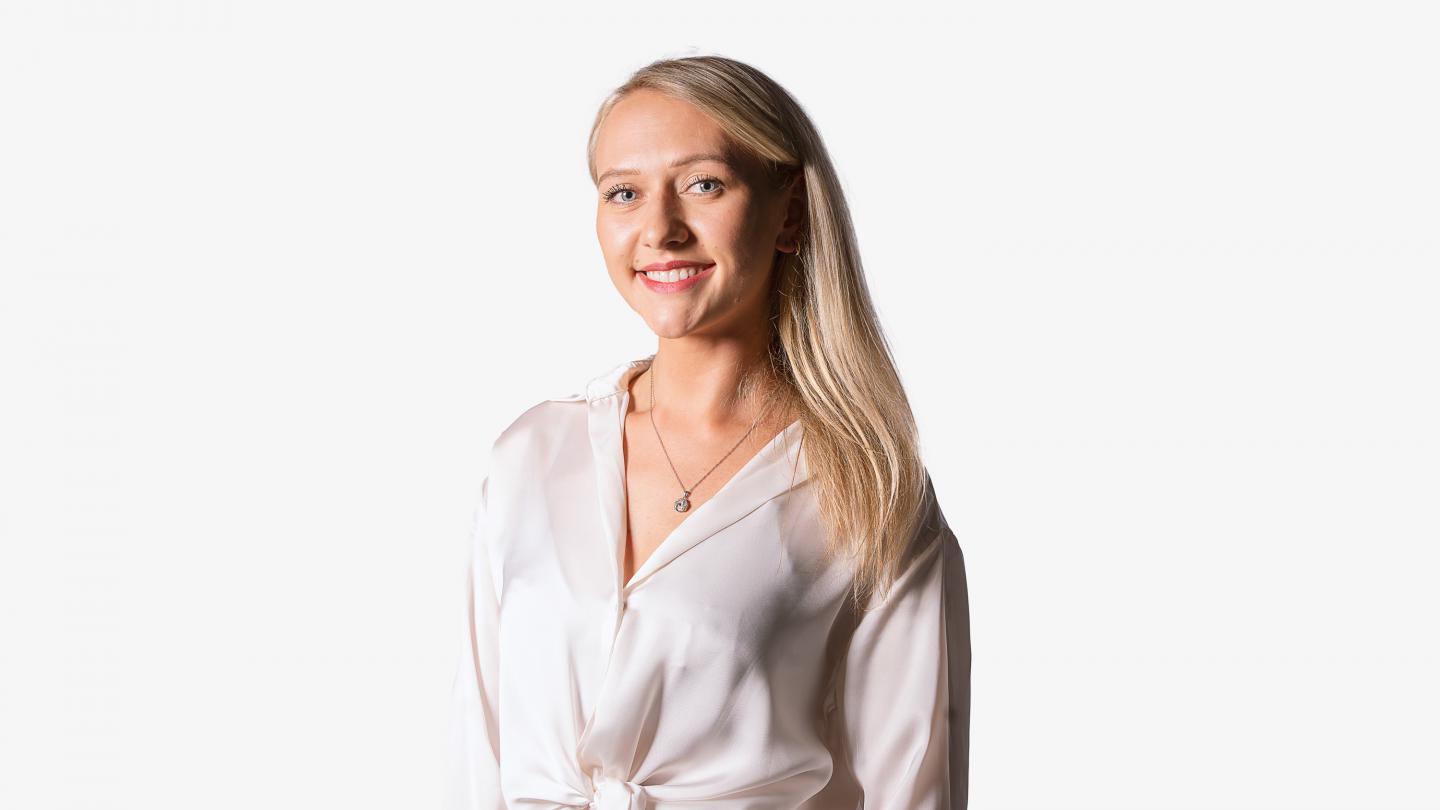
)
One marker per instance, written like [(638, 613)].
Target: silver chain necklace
[(682, 504)]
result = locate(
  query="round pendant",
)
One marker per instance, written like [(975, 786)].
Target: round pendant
[(683, 504)]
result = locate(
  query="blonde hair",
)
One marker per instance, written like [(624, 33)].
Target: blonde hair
[(860, 439)]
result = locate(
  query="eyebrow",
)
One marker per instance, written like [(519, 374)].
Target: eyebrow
[(678, 162)]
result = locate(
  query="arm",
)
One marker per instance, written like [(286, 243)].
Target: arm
[(474, 781), (905, 692)]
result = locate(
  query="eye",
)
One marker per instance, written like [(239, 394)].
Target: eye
[(710, 180), (614, 191), (619, 188)]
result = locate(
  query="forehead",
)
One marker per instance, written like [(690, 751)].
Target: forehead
[(647, 129)]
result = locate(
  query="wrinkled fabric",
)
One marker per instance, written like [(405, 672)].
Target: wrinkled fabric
[(729, 672)]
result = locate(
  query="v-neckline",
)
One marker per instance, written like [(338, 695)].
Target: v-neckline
[(658, 555)]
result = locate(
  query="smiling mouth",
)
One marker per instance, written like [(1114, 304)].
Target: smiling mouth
[(678, 274)]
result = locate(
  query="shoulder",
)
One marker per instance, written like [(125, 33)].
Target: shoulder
[(539, 425), (931, 538), (554, 427)]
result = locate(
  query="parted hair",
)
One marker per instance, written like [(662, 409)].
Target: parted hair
[(827, 347)]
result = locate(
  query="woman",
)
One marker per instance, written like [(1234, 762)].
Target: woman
[(719, 576)]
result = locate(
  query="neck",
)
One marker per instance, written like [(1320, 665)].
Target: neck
[(710, 385)]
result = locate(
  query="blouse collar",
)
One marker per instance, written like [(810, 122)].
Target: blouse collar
[(774, 470), (616, 379)]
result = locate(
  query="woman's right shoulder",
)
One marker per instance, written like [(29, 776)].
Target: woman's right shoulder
[(541, 424), (557, 427)]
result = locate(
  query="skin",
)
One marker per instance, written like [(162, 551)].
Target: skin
[(709, 336)]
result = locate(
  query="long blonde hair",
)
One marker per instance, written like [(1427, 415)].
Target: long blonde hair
[(860, 439)]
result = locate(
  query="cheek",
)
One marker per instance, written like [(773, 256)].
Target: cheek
[(615, 243), (724, 233), (742, 246), (745, 232)]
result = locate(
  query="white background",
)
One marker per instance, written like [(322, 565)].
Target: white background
[(1161, 278)]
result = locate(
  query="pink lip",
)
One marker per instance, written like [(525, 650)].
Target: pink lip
[(675, 265), (677, 286)]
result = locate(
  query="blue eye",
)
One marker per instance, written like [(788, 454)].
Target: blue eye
[(700, 180), (613, 190), (621, 188)]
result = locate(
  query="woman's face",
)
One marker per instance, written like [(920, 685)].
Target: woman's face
[(672, 188)]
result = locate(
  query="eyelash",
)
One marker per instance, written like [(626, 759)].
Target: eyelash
[(619, 187)]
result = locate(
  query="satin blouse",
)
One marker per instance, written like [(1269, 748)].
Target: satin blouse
[(729, 672)]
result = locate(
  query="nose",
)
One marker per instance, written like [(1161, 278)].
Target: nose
[(666, 224), (613, 794)]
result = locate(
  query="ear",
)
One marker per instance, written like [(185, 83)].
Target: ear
[(796, 214)]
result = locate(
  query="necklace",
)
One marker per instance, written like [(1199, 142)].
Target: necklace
[(682, 504)]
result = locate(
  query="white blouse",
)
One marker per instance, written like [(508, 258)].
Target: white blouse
[(729, 672)]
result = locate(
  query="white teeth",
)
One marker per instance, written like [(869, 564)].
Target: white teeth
[(674, 275)]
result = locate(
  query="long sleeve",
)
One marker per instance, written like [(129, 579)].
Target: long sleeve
[(905, 692), (474, 775)]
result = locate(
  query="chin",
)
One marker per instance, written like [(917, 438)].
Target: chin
[(668, 332), (667, 328)]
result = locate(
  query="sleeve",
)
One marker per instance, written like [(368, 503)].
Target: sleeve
[(904, 694), (474, 771)]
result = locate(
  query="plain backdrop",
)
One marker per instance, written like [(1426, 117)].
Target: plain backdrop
[(1161, 279)]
